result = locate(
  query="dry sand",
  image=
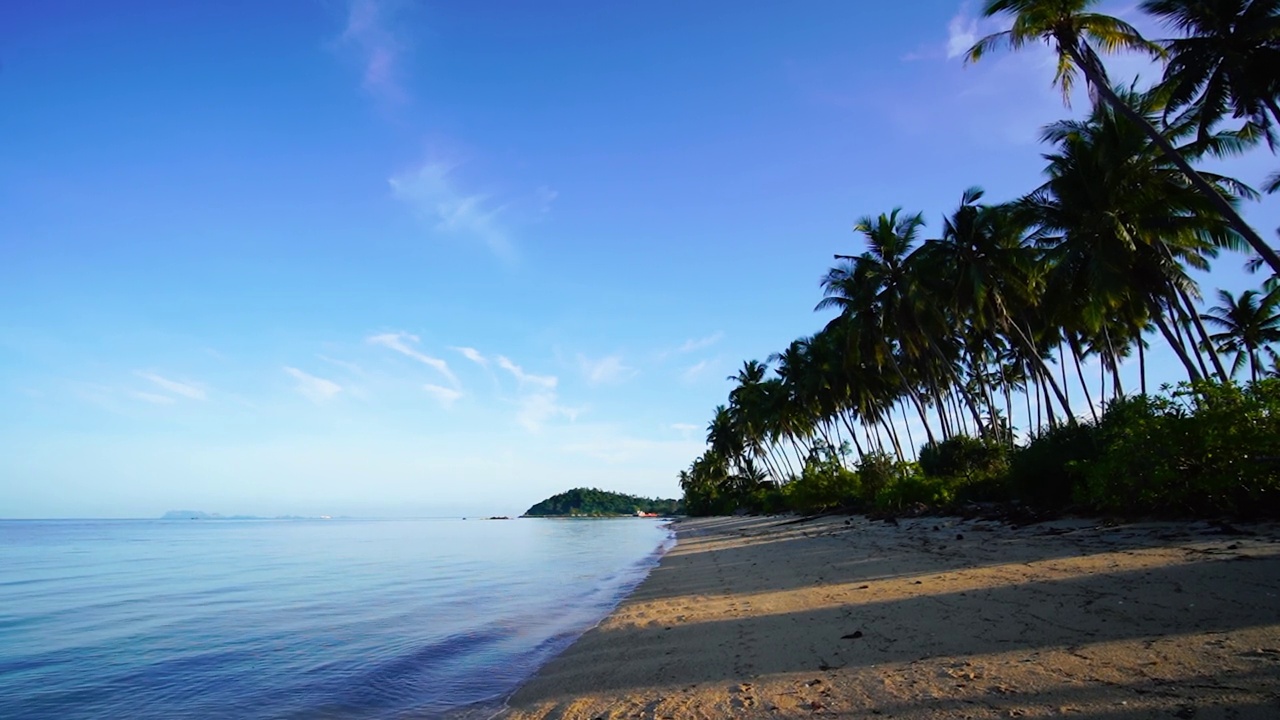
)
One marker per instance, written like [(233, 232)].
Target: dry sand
[(846, 617)]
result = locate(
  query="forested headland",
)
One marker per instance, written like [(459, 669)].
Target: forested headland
[(590, 502), (906, 398)]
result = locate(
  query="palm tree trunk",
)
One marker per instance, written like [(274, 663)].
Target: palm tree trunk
[(1030, 348), (907, 426), (1026, 395), (914, 395), (1181, 325), (893, 437), (1075, 354), (1204, 336), (1220, 203), (1142, 363), (1175, 344), (852, 433)]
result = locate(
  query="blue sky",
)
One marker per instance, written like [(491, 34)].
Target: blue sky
[(406, 258)]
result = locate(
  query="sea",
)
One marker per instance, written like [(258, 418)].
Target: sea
[(427, 618)]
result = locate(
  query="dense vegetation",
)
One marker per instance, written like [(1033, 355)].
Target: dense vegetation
[(599, 503), (1010, 297)]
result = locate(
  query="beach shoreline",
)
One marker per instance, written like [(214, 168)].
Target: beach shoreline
[(782, 617)]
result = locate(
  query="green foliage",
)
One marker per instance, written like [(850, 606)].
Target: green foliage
[(964, 458), (598, 503), (1047, 470), (824, 483), (876, 470), (1205, 449), (910, 489)]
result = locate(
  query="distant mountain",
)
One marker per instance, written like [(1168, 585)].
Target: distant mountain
[(199, 515), (190, 515), (592, 502)]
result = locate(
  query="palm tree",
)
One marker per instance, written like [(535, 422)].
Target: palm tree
[(979, 271), (1248, 325), (1072, 31), (1119, 224), (1226, 61)]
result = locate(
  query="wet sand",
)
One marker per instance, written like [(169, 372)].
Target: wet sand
[(934, 617)]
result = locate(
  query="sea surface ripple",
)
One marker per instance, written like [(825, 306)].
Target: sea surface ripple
[(299, 618)]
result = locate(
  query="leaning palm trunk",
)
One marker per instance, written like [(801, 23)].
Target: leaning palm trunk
[(1205, 342), (1100, 84), (1157, 314), (1074, 342)]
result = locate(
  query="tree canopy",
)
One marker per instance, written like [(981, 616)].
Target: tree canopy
[(593, 502)]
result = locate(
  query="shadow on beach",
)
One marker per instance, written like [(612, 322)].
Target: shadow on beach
[(1110, 621)]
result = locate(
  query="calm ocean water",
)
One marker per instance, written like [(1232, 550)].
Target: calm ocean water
[(298, 618)]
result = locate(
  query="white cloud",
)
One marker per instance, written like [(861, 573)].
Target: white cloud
[(693, 344), (473, 355), (962, 33), (315, 389), (399, 342), (546, 381), (538, 408), (695, 371), (605, 370), (686, 430), (185, 389), (433, 194), (368, 33), (700, 343), (446, 396)]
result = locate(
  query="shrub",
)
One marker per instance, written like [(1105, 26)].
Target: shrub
[(962, 457), (1206, 449), (1047, 470), (914, 489), (875, 471), (976, 468), (824, 483)]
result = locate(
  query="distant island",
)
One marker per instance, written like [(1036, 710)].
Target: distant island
[(591, 502), (200, 515)]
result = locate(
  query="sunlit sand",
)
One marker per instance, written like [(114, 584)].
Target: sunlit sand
[(845, 617)]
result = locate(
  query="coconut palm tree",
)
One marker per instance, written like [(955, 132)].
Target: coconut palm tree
[(1119, 224), (1073, 32), (1226, 62), (1249, 325)]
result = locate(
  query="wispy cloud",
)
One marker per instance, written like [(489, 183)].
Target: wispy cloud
[(605, 370), (446, 396), (434, 195), (184, 389), (401, 343), (700, 343), (539, 407), (437, 195), (368, 33), (315, 389), (962, 32), (686, 430), (473, 355), (695, 371), (693, 344), (546, 381), (537, 403)]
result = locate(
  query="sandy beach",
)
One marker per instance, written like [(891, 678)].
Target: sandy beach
[(934, 617)]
